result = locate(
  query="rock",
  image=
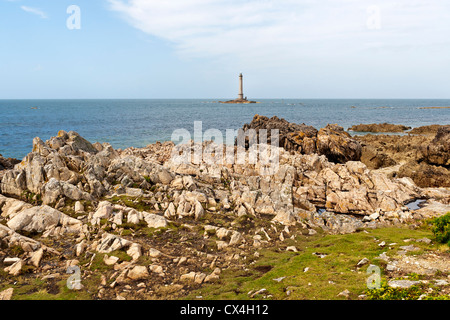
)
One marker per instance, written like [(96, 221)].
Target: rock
[(404, 284), (154, 220), (188, 277), (439, 282), (419, 157), (431, 129), (110, 260), (135, 251), (291, 248), (134, 192), (42, 218), (236, 239), (438, 151), (199, 278), (214, 276), (425, 175), (337, 145), (344, 294), (104, 211), (198, 210), (6, 294), (16, 268), (285, 218), (80, 248), (10, 261), (36, 257), (363, 262), (134, 216), (432, 209), (279, 279), (138, 273), (156, 269), (381, 127), (165, 176), (7, 163), (171, 211), (153, 253), (424, 240), (110, 243)]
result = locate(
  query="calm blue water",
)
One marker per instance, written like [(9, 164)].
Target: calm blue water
[(125, 123)]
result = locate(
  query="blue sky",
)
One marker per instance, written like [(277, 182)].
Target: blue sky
[(196, 49)]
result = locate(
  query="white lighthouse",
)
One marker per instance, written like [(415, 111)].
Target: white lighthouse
[(241, 87)]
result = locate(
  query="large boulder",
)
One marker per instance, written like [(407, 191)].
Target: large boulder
[(337, 145), (42, 218), (438, 151)]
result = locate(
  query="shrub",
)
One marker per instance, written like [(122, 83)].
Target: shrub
[(441, 228)]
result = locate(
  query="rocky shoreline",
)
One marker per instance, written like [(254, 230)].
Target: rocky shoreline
[(142, 225)]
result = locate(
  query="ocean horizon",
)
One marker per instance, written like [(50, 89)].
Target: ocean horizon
[(138, 122)]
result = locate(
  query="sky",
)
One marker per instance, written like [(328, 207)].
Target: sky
[(139, 49)]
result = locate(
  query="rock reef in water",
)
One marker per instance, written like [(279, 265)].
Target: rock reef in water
[(379, 127), (239, 101)]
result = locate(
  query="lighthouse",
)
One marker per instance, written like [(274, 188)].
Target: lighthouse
[(241, 87), (241, 98)]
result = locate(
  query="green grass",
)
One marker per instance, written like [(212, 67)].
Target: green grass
[(338, 267)]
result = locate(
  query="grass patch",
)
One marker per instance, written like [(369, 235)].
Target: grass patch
[(324, 278)]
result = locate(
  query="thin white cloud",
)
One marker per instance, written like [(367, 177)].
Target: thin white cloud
[(272, 30), (35, 11)]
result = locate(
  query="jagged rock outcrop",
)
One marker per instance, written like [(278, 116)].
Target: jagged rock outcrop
[(143, 218), (438, 151), (331, 141)]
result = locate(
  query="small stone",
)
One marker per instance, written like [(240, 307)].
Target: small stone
[(424, 240), (10, 261), (320, 255), (188, 277), (153, 253), (409, 248), (279, 279), (36, 257), (441, 282), (109, 261), (384, 256), (344, 294), (402, 283), (6, 294), (156, 268), (291, 248), (362, 262), (15, 268), (138, 273), (79, 208), (199, 278), (134, 251)]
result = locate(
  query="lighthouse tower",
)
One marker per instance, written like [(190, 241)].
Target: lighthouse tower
[(241, 87)]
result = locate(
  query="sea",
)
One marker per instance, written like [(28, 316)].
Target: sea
[(137, 123)]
